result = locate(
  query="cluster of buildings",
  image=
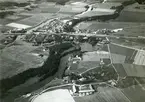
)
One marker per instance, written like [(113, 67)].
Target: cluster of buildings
[(82, 90), (54, 26)]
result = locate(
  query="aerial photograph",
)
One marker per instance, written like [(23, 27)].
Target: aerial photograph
[(72, 50)]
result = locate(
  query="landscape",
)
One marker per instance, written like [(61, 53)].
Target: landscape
[(72, 51)]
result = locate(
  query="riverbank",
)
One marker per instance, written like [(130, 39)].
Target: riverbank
[(48, 69)]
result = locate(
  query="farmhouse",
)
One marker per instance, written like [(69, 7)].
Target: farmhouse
[(82, 90)]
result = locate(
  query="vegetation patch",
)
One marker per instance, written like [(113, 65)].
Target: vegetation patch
[(104, 73), (49, 68), (61, 2), (9, 4)]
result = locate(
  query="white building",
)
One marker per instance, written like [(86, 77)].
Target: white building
[(82, 90)]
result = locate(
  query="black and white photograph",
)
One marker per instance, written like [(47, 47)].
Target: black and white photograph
[(72, 50)]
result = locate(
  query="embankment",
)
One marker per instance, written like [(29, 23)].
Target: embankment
[(49, 68)]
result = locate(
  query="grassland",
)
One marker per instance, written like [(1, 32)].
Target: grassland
[(14, 60)]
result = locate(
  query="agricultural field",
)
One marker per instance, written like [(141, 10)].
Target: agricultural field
[(131, 16), (127, 26), (35, 19), (132, 93), (137, 43), (130, 70), (14, 0), (83, 66), (128, 52), (93, 46), (71, 10), (117, 58), (103, 74), (95, 56), (135, 7), (134, 70), (106, 5), (48, 7), (104, 94), (133, 30), (120, 70)]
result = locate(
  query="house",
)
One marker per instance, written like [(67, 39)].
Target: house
[(82, 90)]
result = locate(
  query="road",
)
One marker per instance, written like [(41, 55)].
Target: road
[(33, 96), (112, 61), (125, 46)]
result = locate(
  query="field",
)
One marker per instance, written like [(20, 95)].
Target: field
[(48, 7), (134, 70), (121, 50), (105, 5), (128, 26), (117, 58), (83, 66), (102, 74), (104, 95), (17, 59), (35, 19), (134, 30), (55, 96), (71, 10), (14, 0), (139, 58), (95, 56), (135, 43), (131, 16), (8, 67), (133, 92), (120, 70)]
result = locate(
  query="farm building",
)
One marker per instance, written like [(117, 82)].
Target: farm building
[(83, 90), (104, 94)]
